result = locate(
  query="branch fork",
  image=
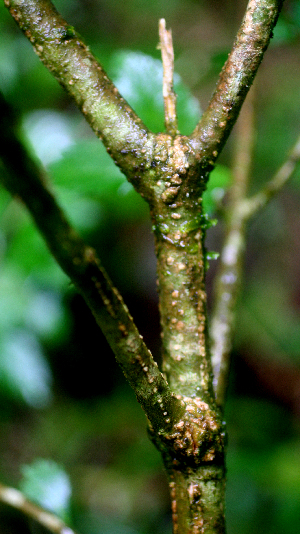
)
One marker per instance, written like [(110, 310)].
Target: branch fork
[(170, 171)]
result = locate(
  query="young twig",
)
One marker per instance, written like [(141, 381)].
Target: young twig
[(252, 205), (17, 500), (167, 53)]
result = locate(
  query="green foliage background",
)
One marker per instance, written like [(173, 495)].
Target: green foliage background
[(68, 419)]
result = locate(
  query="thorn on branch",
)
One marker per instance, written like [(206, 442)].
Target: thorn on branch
[(167, 54)]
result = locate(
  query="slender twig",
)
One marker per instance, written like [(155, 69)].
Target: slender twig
[(79, 261), (67, 57), (258, 201), (228, 277), (167, 53), (18, 501), (236, 77)]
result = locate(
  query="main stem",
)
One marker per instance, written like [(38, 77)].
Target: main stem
[(197, 500), (182, 298), (193, 452)]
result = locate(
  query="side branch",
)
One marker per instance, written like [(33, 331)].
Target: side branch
[(229, 275), (260, 199), (24, 180), (236, 77), (66, 56), (18, 501)]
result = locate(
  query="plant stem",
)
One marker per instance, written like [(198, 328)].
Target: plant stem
[(17, 500), (197, 500), (258, 201), (229, 276), (79, 261)]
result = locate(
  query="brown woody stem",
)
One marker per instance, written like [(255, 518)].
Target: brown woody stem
[(236, 77)]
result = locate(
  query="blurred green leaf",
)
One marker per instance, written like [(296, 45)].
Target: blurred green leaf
[(266, 319), (218, 183), (24, 372), (139, 77), (86, 169), (47, 484), (287, 29), (49, 132)]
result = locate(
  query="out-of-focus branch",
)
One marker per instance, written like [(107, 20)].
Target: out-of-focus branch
[(18, 501), (167, 53), (228, 277), (67, 57), (236, 77), (79, 261), (252, 205)]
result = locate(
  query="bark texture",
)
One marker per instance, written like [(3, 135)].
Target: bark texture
[(170, 171)]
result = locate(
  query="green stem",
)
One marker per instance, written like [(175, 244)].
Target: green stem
[(181, 278), (179, 229), (80, 263)]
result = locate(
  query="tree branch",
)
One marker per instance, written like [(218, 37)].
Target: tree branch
[(18, 501), (229, 275), (81, 264), (64, 53), (258, 201), (236, 77), (167, 53)]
